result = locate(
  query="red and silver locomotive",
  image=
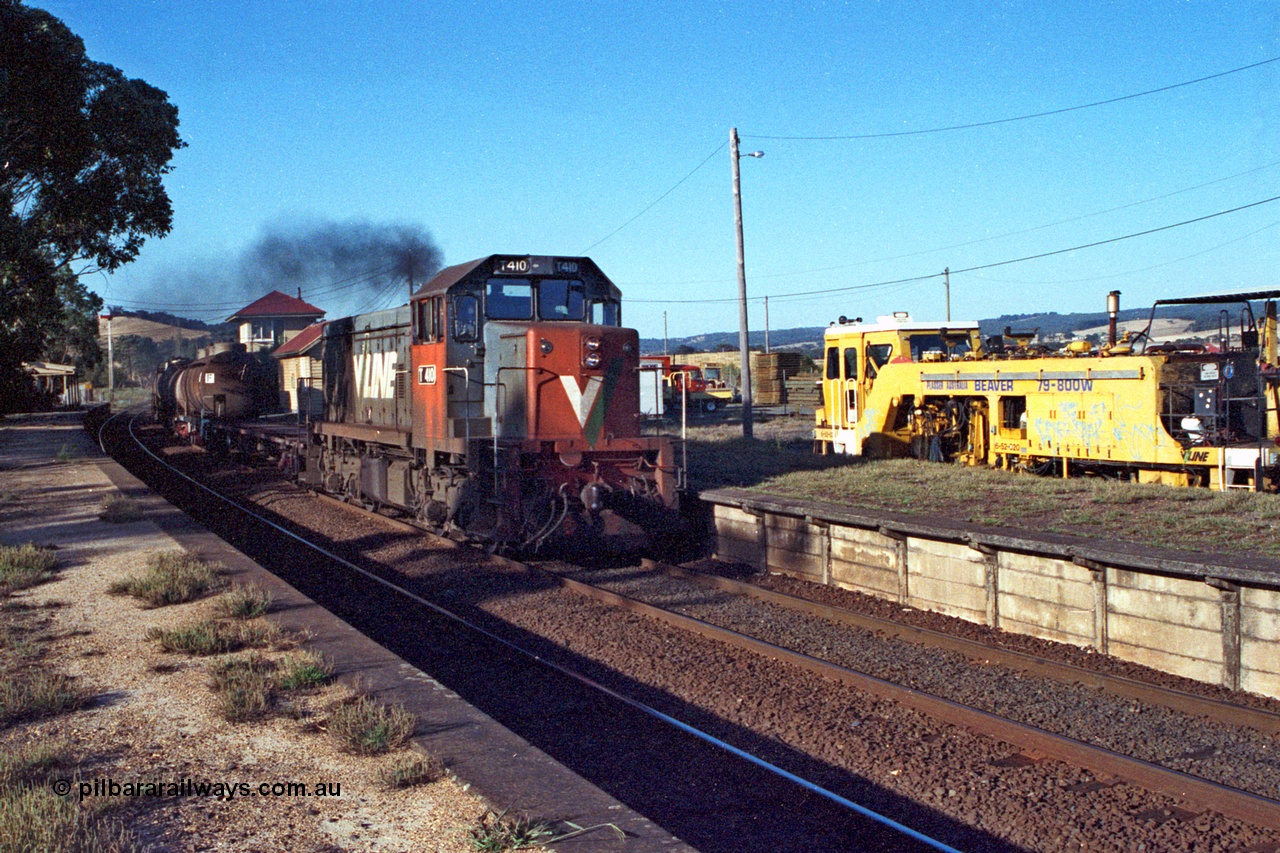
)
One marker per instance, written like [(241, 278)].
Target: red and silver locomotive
[(502, 402)]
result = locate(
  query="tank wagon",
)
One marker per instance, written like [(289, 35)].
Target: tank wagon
[(502, 402), (223, 382), (1192, 415)]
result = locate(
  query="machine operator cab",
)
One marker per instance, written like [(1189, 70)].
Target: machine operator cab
[(856, 352)]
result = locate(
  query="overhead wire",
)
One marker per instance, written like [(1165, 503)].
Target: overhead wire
[(653, 203), (1026, 117), (975, 242), (979, 267), (1125, 273)]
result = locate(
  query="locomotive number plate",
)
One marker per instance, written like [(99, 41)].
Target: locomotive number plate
[(426, 374), (535, 265)]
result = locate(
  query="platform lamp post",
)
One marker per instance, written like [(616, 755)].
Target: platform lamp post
[(743, 346), (111, 360)]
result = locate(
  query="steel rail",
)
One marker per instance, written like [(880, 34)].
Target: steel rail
[(1232, 802), (576, 676), (1229, 713)]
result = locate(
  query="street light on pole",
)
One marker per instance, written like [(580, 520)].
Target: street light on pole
[(743, 346)]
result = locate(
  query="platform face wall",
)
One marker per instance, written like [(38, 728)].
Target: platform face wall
[(946, 577), (1221, 633), (1046, 597), (865, 561), (1170, 624), (1260, 641)]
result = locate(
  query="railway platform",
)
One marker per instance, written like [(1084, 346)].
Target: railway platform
[(1209, 617), (53, 484)]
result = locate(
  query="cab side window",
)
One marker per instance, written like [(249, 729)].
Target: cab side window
[(878, 356), (466, 311), (605, 313), (426, 320), (851, 363), (833, 363)]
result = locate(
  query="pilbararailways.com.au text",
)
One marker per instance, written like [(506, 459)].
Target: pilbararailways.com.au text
[(194, 788)]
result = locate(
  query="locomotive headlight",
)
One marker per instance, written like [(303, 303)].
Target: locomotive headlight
[(592, 360), (592, 344), (546, 346)]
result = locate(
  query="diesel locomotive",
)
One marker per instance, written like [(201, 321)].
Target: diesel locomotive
[(503, 402), (1194, 414)]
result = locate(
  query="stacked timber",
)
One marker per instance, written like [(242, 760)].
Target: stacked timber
[(804, 391), (769, 372)]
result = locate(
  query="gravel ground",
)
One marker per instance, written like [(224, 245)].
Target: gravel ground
[(1242, 758), (153, 716), (711, 800), (864, 748)]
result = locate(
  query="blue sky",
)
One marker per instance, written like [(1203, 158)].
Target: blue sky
[(542, 128)]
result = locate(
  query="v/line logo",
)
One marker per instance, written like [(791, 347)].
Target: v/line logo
[(582, 401), (376, 374)]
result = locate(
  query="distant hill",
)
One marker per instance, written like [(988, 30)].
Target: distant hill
[(159, 326), (1198, 320)]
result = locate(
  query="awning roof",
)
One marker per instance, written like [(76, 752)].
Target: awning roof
[(1215, 298)]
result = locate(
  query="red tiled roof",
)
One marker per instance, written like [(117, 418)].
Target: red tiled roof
[(277, 304), (301, 342)]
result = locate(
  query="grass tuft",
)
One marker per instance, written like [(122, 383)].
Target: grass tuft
[(495, 831), (301, 670), (31, 694), (367, 727), (64, 455), (30, 765), (245, 688), (118, 510), (25, 565), (406, 771), (33, 818), (213, 637), (170, 578), (244, 602)]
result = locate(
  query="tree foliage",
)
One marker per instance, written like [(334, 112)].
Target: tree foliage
[(83, 153)]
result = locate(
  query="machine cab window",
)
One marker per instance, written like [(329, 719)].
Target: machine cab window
[(561, 299), (878, 356), (833, 363), (509, 299), (933, 346)]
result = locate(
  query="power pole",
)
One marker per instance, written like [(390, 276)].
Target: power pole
[(111, 361), (946, 278), (664, 334), (743, 346)]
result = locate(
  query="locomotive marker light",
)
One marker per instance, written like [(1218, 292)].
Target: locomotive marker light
[(742, 281)]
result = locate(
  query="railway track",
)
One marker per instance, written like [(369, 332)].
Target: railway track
[(1195, 790), (1172, 817), (727, 781)]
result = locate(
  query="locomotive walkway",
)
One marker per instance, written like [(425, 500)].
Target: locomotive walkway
[(150, 721)]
